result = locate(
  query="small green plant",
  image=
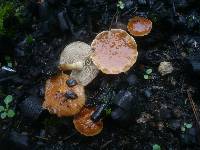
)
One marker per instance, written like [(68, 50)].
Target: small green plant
[(6, 10), (108, 111), (8, 61), (120, 4), (186, 126), (147, 74), (6, 111), (29, 39), (156, 147)]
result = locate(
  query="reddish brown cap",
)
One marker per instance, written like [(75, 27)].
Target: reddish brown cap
[(83, 123), (139, 26), (55, 96), (115, 51)]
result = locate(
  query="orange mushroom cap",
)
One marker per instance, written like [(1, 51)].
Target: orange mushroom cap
[(55, 100), (83, 123), (139, 26), (115, 51)]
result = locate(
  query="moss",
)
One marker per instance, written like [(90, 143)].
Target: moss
[(11, 17), (6, 10)]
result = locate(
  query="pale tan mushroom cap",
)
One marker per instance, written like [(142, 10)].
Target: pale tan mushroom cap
[(115, 51), (76, 52), (55, 100), (83, 123)]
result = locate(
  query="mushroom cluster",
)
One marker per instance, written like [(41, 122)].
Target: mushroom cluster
[(112, 52)]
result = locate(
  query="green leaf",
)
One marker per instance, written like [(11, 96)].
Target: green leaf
[(8, 99), (9, 64), (108, 112), (10, 113), (188, 125), (156, 147), (149, 71), (183, 129), (120, 4), (146, 77), (3, 115), (2, 108)]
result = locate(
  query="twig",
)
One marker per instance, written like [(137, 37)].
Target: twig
[(68, 137), (105, 144), (196, 114), (114, 17)]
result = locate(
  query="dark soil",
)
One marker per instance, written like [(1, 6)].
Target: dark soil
[(160, 105)]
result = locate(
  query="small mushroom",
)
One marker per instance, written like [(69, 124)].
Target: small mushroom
[(139, 26), (75, 57), (62, 99), (115, 51), (84, 124)]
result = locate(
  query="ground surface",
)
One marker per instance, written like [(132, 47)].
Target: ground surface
[(162, 112)]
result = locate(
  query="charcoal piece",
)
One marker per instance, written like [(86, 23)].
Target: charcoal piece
[(62, 22), (97, 115), (120, 115), (31, 108), (123, 100)]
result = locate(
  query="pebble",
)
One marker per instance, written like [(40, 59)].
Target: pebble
[(165, 68), (177, 113), (70, 95), (147, 93), (144, 117)]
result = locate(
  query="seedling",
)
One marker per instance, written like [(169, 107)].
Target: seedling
[(29, 39), (156, 147), (5, 110), (8, 61), (147, 74), (186, 126), (108, 111), (120, 4)]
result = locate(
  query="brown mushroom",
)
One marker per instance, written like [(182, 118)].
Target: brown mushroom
[(115, 51), (83, 123), (139, 26), (75, 57), (61, 98)]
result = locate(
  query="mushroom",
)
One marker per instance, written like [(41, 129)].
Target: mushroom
[(115, 51), (75, 57), (62, 96), (84, 124), (139, 26)]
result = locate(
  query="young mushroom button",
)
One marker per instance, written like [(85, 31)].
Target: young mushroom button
[(115, 51), (139, 26), (61, 99), (75, 57)]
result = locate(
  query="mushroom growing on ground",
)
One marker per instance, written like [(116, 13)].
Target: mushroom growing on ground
[(139, 26), (63, 96), (75, 57), (115, 51), (84, 124)]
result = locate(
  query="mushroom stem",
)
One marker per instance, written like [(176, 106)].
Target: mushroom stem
[(73, 66)]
